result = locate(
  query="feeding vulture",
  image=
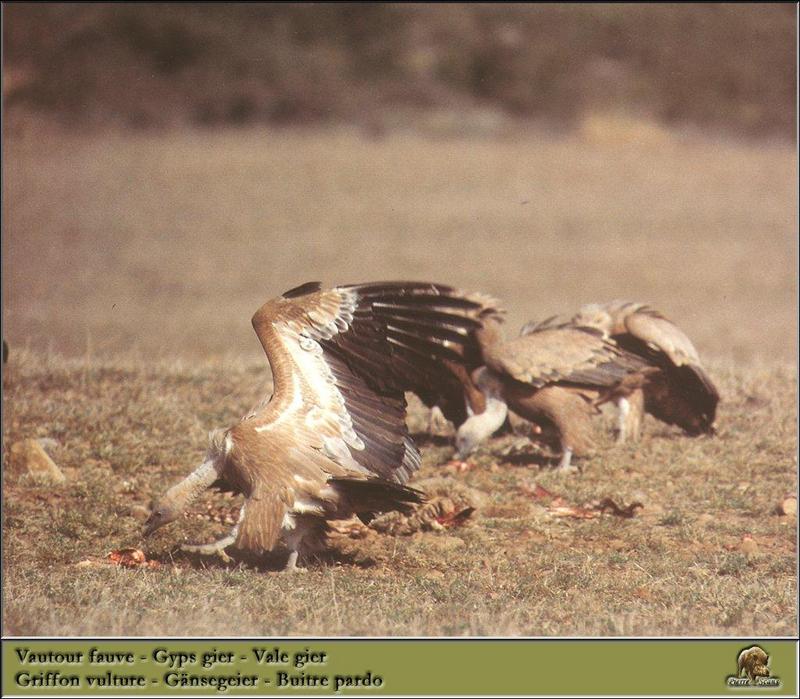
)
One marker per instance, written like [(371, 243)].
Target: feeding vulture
[(332, 440), (681, 392), (555, 375), (453, 394)]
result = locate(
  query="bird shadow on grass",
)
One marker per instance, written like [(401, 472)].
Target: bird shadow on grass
[(530, 459), (524, 452), (272, 562), (424, 439), (669, 434)]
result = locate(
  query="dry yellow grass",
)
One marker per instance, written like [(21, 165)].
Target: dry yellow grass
[(707, 555), (132, 264)]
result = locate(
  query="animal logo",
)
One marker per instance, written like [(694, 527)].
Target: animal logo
[(753, 663), (752, 669)]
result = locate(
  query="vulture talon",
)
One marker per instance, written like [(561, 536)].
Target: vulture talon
[(216, 548), (567, 470), (291, 564), (224, 556), (565, 466)]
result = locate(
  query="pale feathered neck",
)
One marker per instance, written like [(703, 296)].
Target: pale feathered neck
[(183, 494), (478, 427)]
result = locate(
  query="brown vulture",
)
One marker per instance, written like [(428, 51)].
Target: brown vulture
[(331, 441), (556, 375), (681, 392)]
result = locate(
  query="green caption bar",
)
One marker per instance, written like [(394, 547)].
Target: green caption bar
[(325, 667)]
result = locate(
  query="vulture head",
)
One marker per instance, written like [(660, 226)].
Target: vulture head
[(174, 502), (479, 427), (161, 512), (594, 315), (470, 434)]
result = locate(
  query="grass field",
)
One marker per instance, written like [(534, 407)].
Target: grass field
[(132, 264)]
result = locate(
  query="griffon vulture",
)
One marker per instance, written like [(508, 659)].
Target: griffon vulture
[(556, 376), (681, 392), (453, 394), (332, 440)]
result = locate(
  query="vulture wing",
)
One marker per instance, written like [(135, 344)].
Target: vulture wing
[(660, 334), (341, 361), (533, 326), (447, 383), (684, 395), (562, 354)]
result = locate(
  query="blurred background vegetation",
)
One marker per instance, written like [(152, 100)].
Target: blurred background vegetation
[(719, 67)]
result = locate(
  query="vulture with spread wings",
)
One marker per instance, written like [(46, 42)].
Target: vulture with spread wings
[(332, 439), (556, 375), (681, 392)]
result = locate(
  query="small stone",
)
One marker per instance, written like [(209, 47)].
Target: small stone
[(788, 505), (30, 455), (127, 486)]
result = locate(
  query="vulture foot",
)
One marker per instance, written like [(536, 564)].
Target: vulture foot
[(566, 465), (291, 564), (217, 548)]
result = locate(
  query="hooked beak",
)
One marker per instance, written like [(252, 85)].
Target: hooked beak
[(464, 450)]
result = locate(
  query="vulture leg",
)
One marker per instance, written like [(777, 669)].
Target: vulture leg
[(631, 411), (565, 465), (304, 537), (636, 399), (291, 564), (217, 548), (624, 410), (566, 409)]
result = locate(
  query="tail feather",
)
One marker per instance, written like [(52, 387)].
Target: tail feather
[(373, 495)]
